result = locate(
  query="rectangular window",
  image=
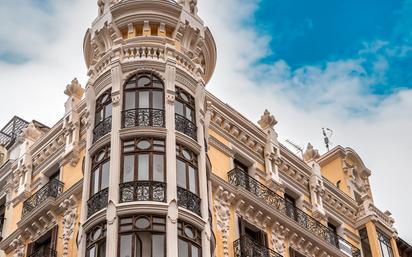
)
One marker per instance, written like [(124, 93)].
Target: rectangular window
[(192, 180), (181, 174), (95, 182), (158, 245), (144, 99), (158, 100), (105, 175), (143, 167), (130, 101), (126, 245), (183, 248), (158, 168), (179, 108), (128, 168)]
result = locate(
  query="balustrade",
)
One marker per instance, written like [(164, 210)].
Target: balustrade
[(102, 128), (188, 200), (97, 202), (248, 247), (143, 117), (185, 126), (143, 191)]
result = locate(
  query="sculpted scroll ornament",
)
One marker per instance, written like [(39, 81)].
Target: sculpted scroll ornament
[(278, 242), (18, 246), (221, 205), (69, 221)]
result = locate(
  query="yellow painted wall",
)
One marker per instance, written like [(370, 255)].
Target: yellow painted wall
[(221, 163), (333, 172)]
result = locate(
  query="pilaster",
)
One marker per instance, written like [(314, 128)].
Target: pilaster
[(373, 239), (171, 226), (394, 247)]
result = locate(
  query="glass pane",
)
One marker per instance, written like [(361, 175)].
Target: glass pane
[(189, 114), (183, 248), (126, 246), (187, 155), (142, 223), (102, 249), (128, 168), (143, 81), (184, 96), (91, 252), (158, 167), (138, 248), (95, 182), (144, 99), (158, 245), (108, 110), (143, 144), (158, 100), (105, 175), (179, 108), (195, 251), (192, 180), (97, 234), (98, 117), (189, 232), (143, 167), (181, 173), (130, 101)]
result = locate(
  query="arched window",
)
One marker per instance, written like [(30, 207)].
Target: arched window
[(143, 104), (187, 179), (142, 236), (96, 241), (103, 115), (144, 170), (99, 180), (190, 240), (185, 118)]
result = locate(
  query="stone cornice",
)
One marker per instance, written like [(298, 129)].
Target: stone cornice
[(221, 147)]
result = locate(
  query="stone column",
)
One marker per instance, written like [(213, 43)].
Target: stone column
[(171, 225), (90, 102), (200, 118), (394, 247), (373, 239), (115, 155)]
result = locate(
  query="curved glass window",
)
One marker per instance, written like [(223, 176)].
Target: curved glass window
[(103, 115), (185, 118), (100, 170), (96, 241), (190, 241), (143, 103), (142, 236)]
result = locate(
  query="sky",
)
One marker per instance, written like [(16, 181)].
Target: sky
[(345, 65)]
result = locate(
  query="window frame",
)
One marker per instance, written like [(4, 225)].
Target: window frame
[(384, 241), (100, 242), (97, 166), (134, 231), (190, 104), (136, 89), (195, 241), (192, 163), (149, 151), (101, 106)]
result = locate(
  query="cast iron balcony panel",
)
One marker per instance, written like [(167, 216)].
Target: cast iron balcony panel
[(143, 191), (143, 117), (188, 200), (52, 189), (240, 178), (44, 252), (97, 202), (102, 128), (248, 247), (185, 126)]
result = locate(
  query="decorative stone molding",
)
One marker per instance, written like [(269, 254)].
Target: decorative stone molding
[(310, 153), (267, 120), (116, 98), (278, 239), (18, 246), (222, 203), (69, 222), (74, 89)]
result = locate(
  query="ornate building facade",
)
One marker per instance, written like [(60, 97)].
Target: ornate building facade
[(147, 163)]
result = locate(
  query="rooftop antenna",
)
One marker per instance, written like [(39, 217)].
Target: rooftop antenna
[(327, 134), (298, 148)]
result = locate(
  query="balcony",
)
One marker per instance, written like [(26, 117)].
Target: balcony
[(248, 247), (240, 178), (143, 191), (188, 200), (102, 128), (143, 117), (97, 202), (44, 252), (185, 126), (52, 189)]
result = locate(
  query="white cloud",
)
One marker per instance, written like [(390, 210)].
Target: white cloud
[(303, 100)]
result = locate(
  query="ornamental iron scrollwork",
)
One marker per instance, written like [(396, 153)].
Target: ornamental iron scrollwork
[(143, 117), (44, 252), (103, 128), (248, 247), (185, 126), (143, 191), (52, 189), (97, 202), (241, 178), (188, 200)]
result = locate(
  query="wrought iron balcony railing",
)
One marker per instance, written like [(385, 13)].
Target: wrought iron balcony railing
[(143, 117), (97, 202), (102, 128), (188, 200), (52, 189), (44, 252), (143, 191), (248, 247), (240, 178), (185, 126)]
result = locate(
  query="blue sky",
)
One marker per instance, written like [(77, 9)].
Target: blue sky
[(314, 32)]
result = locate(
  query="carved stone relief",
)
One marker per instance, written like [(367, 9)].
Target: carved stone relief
[(69, 221)]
